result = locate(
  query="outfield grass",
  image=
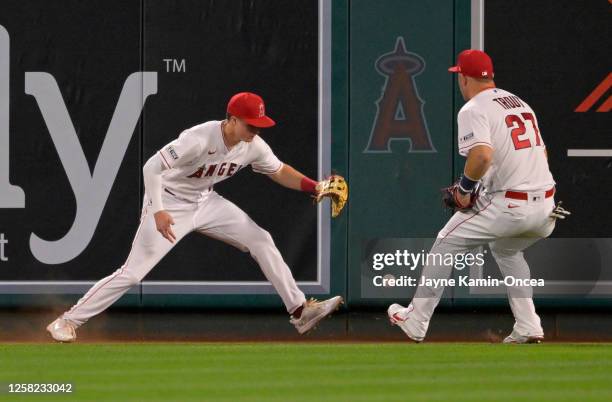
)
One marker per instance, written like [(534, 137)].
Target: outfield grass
[(313, 372)]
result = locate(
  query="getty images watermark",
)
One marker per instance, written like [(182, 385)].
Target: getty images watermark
[(410, 261), (469, 268)]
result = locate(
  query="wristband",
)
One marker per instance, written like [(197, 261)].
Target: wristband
[(308, 185), (466, 185)]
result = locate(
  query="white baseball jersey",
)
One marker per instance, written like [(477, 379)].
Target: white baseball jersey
[(194, 162), (503, 121), (199, 158)]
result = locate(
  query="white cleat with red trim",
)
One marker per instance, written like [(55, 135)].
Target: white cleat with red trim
[(62, 330), (400, 316)]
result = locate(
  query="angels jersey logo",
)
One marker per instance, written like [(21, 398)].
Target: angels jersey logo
[(225, 169), (400, 109)]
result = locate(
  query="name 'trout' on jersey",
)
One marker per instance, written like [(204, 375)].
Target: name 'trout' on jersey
[(501, 120), (199, 158)]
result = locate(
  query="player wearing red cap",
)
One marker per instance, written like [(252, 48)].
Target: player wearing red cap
[(179, 199), (498, 133)]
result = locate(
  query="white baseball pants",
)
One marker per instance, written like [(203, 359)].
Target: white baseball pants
[(509, 226), (215, 217)]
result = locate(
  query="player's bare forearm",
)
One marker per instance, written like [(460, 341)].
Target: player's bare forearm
[(288, 177), (478, 162)]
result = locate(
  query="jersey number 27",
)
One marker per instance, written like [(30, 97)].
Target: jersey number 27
[(518, 129)]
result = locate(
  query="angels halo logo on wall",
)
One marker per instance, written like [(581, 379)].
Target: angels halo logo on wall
[(400, 109)]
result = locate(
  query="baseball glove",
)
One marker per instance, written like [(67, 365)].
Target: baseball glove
[(559, 212), (336, 188), (449, 197)]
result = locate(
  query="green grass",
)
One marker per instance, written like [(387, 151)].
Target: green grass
[(313, 372)]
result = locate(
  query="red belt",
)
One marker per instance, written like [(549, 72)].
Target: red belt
[(519, 195)]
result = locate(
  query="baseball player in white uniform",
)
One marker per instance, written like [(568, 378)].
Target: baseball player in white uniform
[(179, 199), (499, 135)]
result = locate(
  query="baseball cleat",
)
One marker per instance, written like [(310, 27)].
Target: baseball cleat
[(62, 330), (314, 311), (399, 315), (515, 338)]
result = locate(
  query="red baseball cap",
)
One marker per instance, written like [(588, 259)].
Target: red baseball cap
[(473, 63), (250, 108)]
